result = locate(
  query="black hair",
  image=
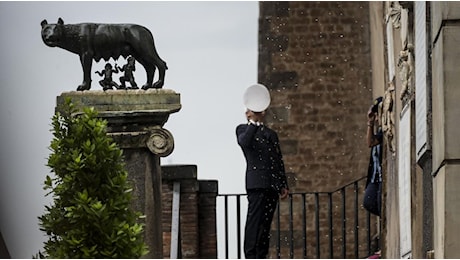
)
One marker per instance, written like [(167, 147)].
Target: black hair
[(376, 103)]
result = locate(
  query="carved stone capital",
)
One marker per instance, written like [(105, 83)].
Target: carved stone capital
[(160, 142)]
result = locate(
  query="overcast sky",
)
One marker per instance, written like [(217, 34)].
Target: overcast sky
[(211, 52)]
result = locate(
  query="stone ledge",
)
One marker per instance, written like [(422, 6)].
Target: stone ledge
[(209, 186), (158, 100), (179, 171)]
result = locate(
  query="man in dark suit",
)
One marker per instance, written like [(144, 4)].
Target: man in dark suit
[(373, 193), (265, 181)]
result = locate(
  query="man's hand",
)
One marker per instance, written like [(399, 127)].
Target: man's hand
[(284, 193), (370, 115), (250, 115), (255, 116)]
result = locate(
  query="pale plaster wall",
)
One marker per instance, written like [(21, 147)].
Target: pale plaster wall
[(446, 95), (438, 214), (446, 115), (377, 52), (452, 212)]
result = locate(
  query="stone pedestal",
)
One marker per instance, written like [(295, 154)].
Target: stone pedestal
[(135, 121)]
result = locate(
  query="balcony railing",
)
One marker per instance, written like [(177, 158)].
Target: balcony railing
[(306, 225)]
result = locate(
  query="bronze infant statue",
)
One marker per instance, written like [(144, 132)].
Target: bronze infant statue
[(95, 41)]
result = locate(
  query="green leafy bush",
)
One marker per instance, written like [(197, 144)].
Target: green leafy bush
[(91, 215)]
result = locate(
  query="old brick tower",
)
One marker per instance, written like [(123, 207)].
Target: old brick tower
[(315, 58)]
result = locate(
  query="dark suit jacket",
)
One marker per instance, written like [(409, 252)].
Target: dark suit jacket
[(264, 162), (370, 169)]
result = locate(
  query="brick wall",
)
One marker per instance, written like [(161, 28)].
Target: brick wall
[(315, 59), (197, 224)]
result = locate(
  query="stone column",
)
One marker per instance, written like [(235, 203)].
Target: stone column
[(446, 114), (135, 121)]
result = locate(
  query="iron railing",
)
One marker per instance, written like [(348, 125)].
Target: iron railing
[(307, 225)]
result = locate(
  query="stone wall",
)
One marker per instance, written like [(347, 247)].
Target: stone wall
[(445, 28)]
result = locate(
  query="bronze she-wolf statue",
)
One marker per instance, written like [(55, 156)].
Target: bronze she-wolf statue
[(95, 41)]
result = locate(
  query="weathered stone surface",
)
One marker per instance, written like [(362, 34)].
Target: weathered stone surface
[(130, 110), (446, 94), (160, 142), (126, 101), (446, 152)]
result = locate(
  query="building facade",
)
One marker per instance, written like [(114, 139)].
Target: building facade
[(421, 68)]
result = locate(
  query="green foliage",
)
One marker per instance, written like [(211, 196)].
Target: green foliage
[(91, 216)]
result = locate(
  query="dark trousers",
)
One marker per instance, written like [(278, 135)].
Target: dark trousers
[(261, 207), (373, 198)]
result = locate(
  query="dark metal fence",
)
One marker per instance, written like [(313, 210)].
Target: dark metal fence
[(308, 225)]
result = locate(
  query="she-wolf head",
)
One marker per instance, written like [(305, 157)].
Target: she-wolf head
[(51, 33)]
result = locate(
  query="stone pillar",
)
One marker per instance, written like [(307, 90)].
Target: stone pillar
[(189, 207), (198, 229), (446, 112), (135, 121), (209, 189)]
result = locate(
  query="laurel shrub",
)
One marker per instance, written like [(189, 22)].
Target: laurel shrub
[(90, 216)]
